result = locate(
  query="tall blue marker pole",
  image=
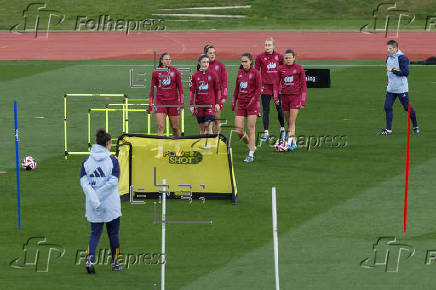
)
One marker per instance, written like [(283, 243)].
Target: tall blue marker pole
[(17, 157)]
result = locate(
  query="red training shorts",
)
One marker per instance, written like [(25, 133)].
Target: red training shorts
[(267, 89), (245, 110), (204, 111), (290, 102), (170, 111)]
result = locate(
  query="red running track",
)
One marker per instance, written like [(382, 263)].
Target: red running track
[(188, 45)]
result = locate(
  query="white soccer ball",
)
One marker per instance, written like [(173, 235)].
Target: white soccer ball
[(281, 145), (29, 163)]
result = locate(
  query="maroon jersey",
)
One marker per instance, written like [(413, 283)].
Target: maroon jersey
[(205, 88), (248, 87), (292, 79), (268, 64), (220, 70), (167, 83)]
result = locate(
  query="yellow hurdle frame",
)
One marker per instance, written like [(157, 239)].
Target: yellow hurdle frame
[(125, 117)]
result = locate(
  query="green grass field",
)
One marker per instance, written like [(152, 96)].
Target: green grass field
[(263, 15), (333, 203)]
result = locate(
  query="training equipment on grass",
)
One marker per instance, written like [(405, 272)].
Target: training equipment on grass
[(194, 166), (28, 163), (164, 208), (126, 107), (275, 237), (281, 145), (17, 163), (125, 119), (162, 194)]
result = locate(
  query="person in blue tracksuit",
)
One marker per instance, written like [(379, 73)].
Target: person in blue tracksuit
[(397, 66), (99, 179)]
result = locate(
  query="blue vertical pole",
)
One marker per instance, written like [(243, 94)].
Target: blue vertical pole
[(17, 157)]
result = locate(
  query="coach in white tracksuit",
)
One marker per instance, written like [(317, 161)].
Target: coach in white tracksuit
[(99, 179)]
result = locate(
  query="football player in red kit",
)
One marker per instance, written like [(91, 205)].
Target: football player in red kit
[(267, 63), (247, 95), (204, 91), (220, 70), (169, 92), (293, 91)]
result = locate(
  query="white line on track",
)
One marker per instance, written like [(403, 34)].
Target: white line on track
[(207, 8), (201, 15)]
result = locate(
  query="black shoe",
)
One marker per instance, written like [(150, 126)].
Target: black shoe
[(90, 267), (117, 267), (416, 130), (384, 132)]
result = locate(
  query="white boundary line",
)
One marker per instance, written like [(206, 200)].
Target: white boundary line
[(164, 198), (200, 15), (275, 237), (207, 8)]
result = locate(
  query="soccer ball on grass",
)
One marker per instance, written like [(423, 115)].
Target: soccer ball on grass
[(281, 145), (28, 163)]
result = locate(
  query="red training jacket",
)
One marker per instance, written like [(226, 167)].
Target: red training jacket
[(248, 87), (167, 86), (220, 70), (205, 88), (293, 81)]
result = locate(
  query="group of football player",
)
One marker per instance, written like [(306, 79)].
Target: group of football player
[(273, 76)]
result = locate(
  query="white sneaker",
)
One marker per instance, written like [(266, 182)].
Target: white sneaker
[(90, 267), (265, 137), (249, 159)]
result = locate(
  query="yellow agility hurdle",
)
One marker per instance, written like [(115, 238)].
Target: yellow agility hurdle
[(125, 116), (126, 108)]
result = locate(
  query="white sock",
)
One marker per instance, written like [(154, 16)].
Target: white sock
[(160, 148), (282, 129), (251, 153), (266, 132), (291, 140)]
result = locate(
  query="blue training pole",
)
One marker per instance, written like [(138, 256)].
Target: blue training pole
[(17, 157)]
